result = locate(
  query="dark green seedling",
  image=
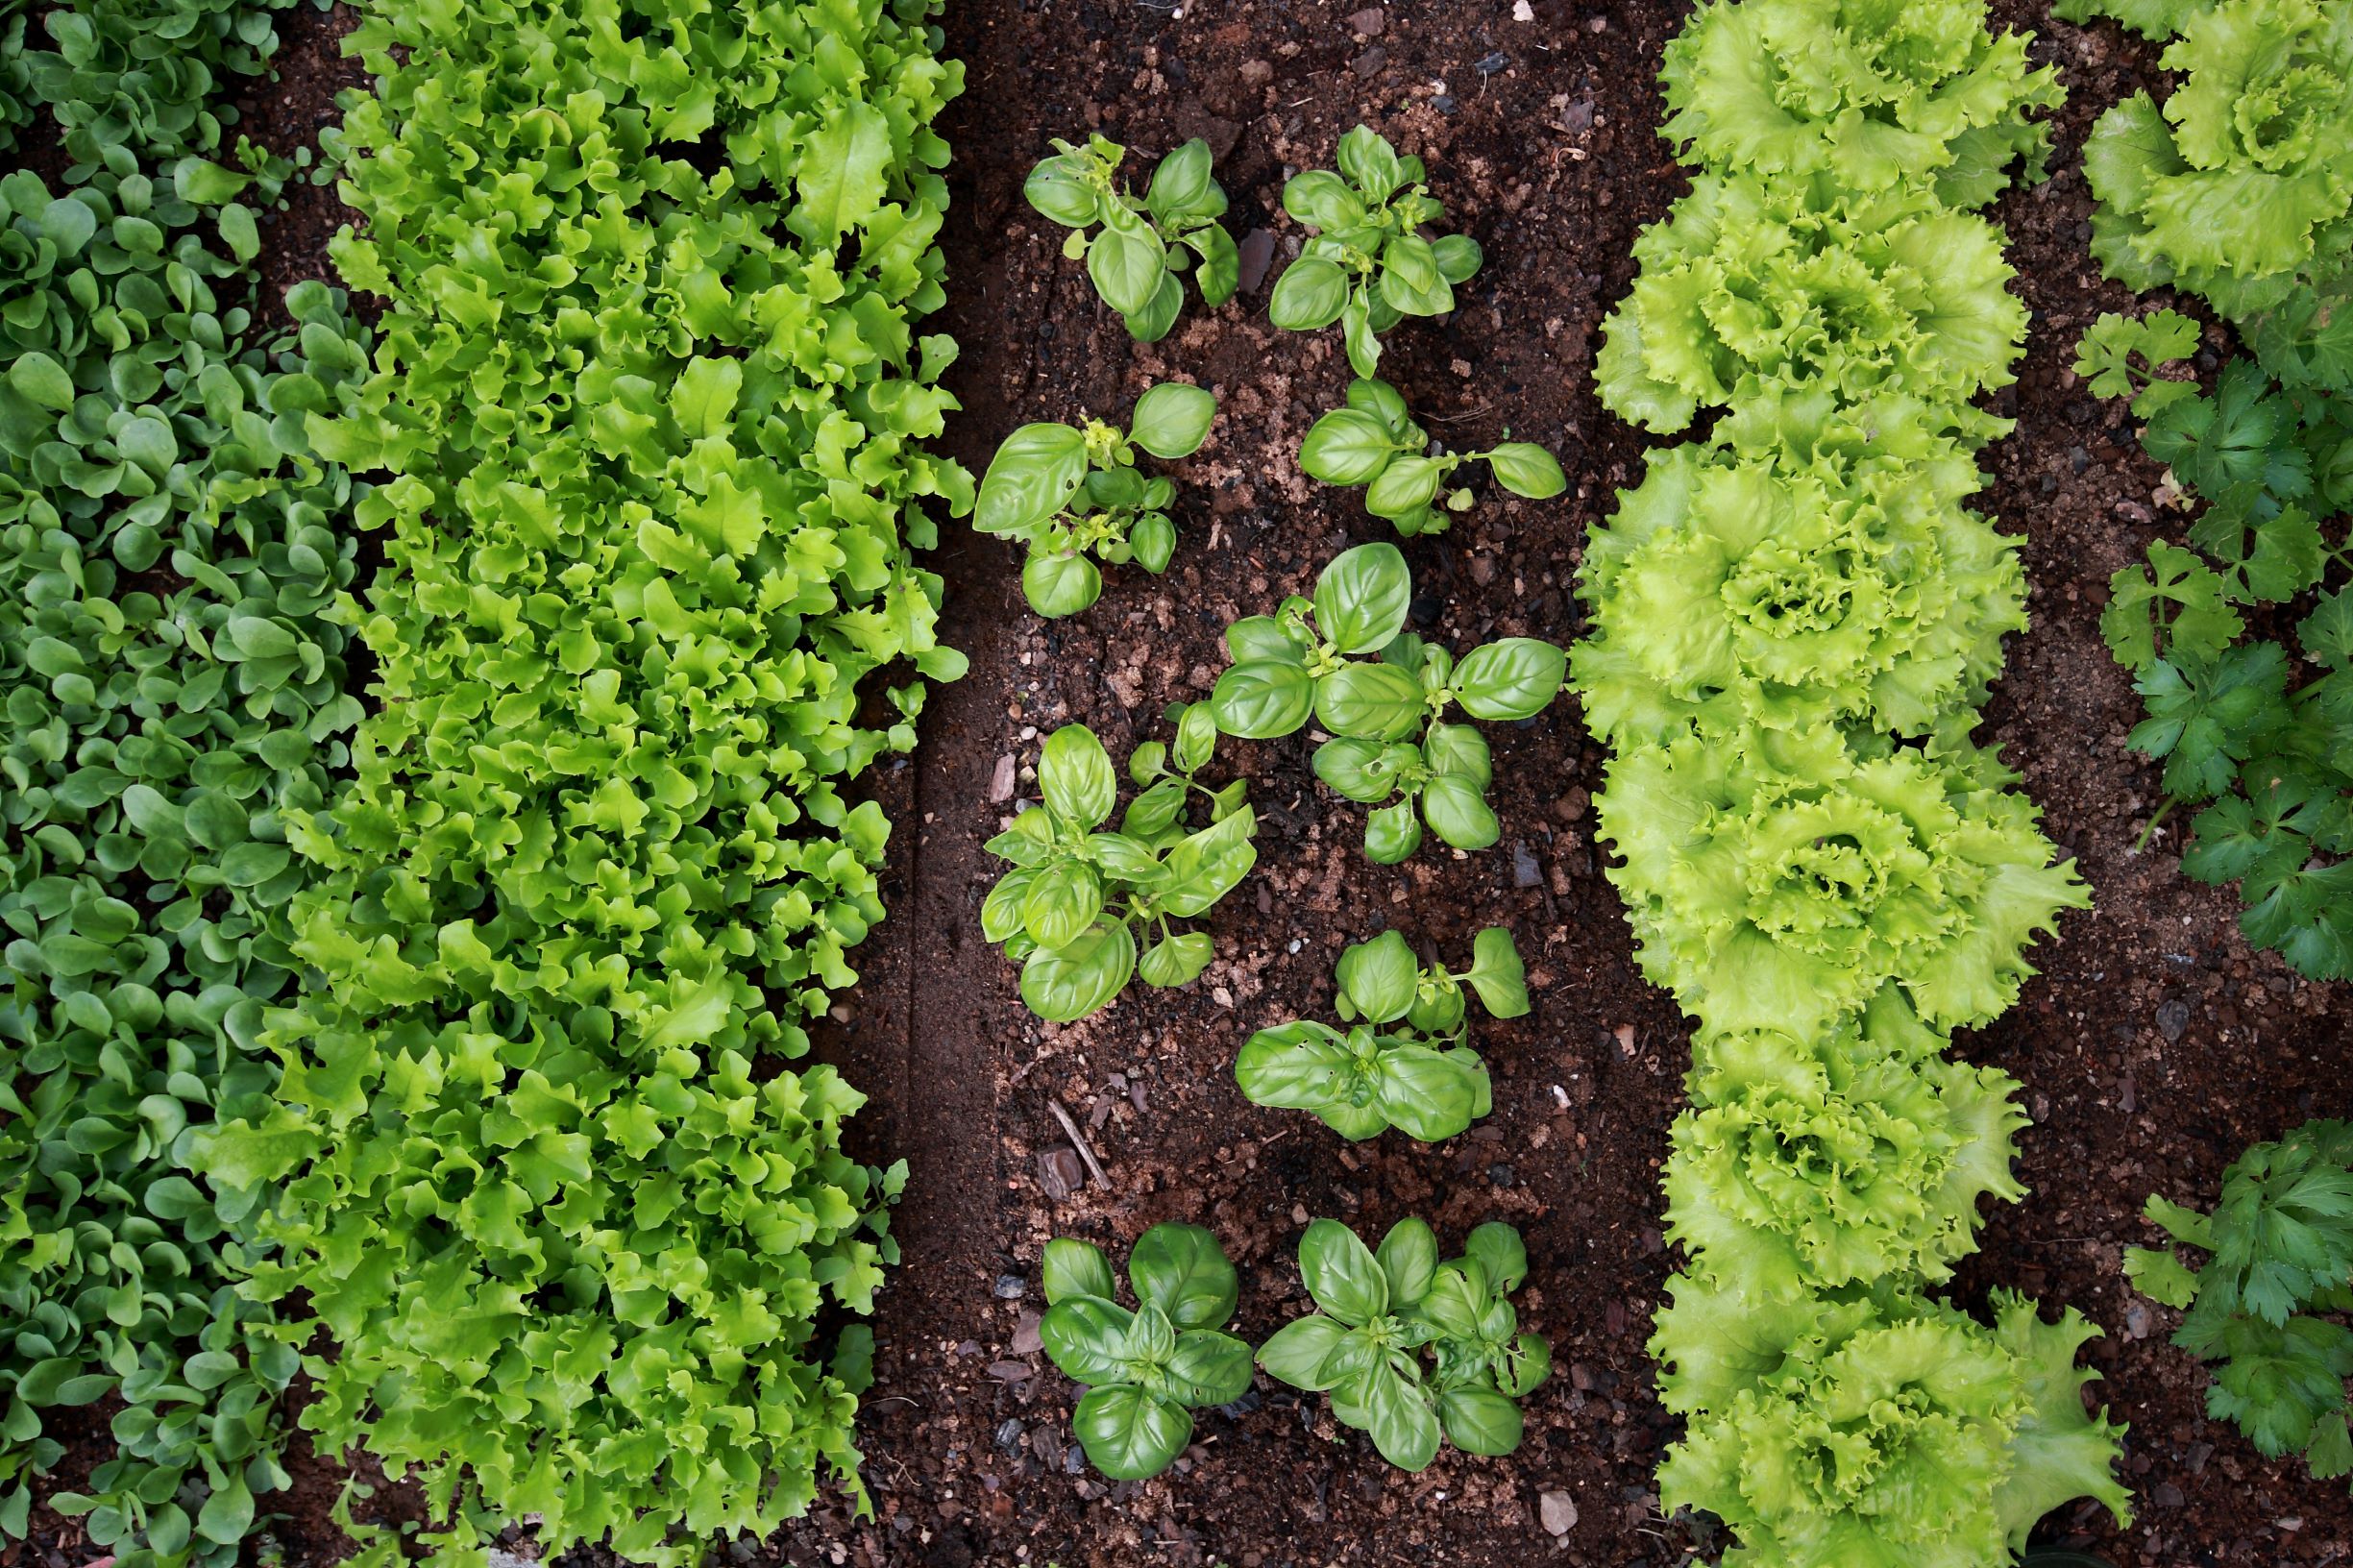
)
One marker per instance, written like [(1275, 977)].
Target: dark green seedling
[(1138, 257), (1412, 1349), (1073, 906), (1403, 1062), (1368, 266), (1070, 492), (1146, 1371), (1373, 442), (1345, 659)]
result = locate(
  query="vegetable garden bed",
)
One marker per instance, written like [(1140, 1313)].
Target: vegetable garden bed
[(2155, 1045)]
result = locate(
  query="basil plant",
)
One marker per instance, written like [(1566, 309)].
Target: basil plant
[(1138, 258), (1390, 746), (1145, 1370), (1403, 1061), (1373, 442), (1070, 492), (1368, 266), (1077, 899), (1412, 1349)]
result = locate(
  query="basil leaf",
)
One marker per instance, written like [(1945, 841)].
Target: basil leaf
[(1392, 833), (1321, 199), (1263, 699), (1310, 295), (1408, 1258), (1479, 1421), (1063, 987), (1458, 255), (1513, 678), (1458, 814), (1075, 1268), (1205, 867), (1361, 771), (1075, 776), (1126, 260), (1405, 487), (1340, 1273), (1347, 446), (1361, 598), (1181, 1270), (1181, 186), (1130, 1435), (1058, 585), (1370, 701), (1429, 1095), (1299, 1351), (1397, 1413), (1497, 974), (1377, 978), (1085, 1335), (1209, 1369), (1369, 162), (1175, 960), (1527, 470), (1171, 420), (1295, 1067), (1033, 477), (1499, 1250)]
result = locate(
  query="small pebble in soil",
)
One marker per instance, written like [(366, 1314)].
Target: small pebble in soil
[(1255, 255), (1241, 1407), (1443, 103), (1012, 1435), (1425, 608), (1368, 22), (1558, 1512), (1500, 1174), (2172, 1019), (1494, 63), (1008, 1286), (1527, 872)]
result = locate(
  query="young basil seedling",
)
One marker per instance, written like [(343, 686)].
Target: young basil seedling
[(1381, 1312), (1390, 747), (1403, 1061), (1374, 442), (1071, 907), (1067, 492), (1139, 258), (1147, 1370), (1368, 266)]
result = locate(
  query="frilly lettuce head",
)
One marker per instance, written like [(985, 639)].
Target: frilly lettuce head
[(1777, 879), (1855, 1432), (1727, 592), (2241, 188), (1873, 92), (1848, 1162), (1797, 284)]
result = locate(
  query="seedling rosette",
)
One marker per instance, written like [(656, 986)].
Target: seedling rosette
[(1404, 1060), (1390, 747), (1368, 266), (1137, 260), (1413, 1351), (1072, 906), (1069, 492), (1374, 443), (1148, 1369)]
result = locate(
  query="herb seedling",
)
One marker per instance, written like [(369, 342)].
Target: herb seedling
[(1139, 258), (1374, 442), (1382, 1311), (1420, 1077), (1389, 748), (2266, 1303), (1145, 1370), (1368, 266), (1067, 492), (1070, 907)]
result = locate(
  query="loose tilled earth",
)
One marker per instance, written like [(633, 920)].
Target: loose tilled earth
[(2156, 1045)]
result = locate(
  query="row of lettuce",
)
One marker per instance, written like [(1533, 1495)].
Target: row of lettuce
[(433, 1045), (1796, 618)]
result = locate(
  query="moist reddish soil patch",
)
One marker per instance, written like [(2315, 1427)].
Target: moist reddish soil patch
[(2154, 1047)]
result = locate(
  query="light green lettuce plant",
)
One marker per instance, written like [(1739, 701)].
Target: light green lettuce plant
[(1726, 592)]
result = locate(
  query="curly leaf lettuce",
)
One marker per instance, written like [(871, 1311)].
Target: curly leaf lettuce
[(1724, 592), (1873, 92), (1861, 1431), (2238, 186), (1777, 879), (1751, 284), (1846, 1161)]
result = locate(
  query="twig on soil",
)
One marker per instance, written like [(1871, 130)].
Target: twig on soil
[(1085, 1151)]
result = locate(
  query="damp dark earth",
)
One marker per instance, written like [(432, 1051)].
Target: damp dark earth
[(2154, 1046)]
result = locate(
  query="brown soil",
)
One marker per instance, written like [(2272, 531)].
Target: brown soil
[(2155, 1046)]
